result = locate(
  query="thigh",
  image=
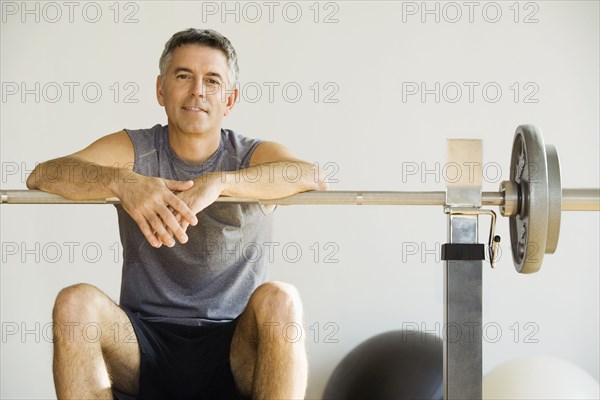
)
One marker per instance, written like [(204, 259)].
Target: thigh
[(271, 306), (84, 315), (244, 348), (87, 320), (120, 349)]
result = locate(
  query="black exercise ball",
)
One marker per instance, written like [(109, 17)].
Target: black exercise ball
[(392, 365)]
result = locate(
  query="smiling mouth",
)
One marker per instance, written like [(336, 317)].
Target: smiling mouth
[(194, 109)]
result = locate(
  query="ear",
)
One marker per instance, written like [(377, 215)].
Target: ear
[(231, 99), (159, 91)]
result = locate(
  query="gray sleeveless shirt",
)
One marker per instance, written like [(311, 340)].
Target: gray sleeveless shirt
[(210, 278)]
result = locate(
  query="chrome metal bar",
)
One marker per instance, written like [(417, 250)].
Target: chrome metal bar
[(581, 199), (314, 197), (573, 199)]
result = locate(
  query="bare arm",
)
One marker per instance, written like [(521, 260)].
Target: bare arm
[(275, 173), (91, 173), (105, 169)]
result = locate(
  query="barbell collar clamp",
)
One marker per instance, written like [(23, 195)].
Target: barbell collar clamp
[(493, 239), (510, 192)]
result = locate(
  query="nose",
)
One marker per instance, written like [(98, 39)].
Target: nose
[(197, 88)]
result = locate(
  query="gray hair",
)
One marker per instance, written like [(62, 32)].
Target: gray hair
[(203, 37)]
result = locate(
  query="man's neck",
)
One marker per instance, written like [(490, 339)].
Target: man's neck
[(194, 149)]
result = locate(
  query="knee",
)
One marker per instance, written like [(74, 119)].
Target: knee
[(277, 300), (76, 302)]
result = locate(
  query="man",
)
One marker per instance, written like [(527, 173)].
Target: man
[(197, 318)]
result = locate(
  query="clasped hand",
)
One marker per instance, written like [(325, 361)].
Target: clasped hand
[(163, 209)]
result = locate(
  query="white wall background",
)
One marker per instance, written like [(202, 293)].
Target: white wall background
[(362, 59)]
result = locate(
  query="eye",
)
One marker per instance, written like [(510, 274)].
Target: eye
[(182, 76)]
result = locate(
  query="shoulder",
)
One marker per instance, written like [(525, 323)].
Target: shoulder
[(111, 150), (258, 151), (239, 147), (146, 132), (237, 140)]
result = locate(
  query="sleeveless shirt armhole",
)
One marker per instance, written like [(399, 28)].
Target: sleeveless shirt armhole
[(246, 161), (244, 164), (264, 210), (135, 155), (141, 144)]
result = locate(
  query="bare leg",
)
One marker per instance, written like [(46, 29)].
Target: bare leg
[(94, 346), (268, 353)]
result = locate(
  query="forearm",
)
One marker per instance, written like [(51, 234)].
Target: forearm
[(77, 179), (271, 180)]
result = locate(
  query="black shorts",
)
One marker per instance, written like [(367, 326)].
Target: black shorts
[(183, 362)]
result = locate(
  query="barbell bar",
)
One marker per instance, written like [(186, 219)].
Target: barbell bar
[(533, 199), (573, 199)]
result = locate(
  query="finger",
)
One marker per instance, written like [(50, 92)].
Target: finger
[(184, 224), (159, 239), (148, 232), (169, 231), (157, 224), (178, 186), (182, 208), (178, 218), (173, 227)]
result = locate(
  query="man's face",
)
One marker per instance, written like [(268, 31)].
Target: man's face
[(194, 90)]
